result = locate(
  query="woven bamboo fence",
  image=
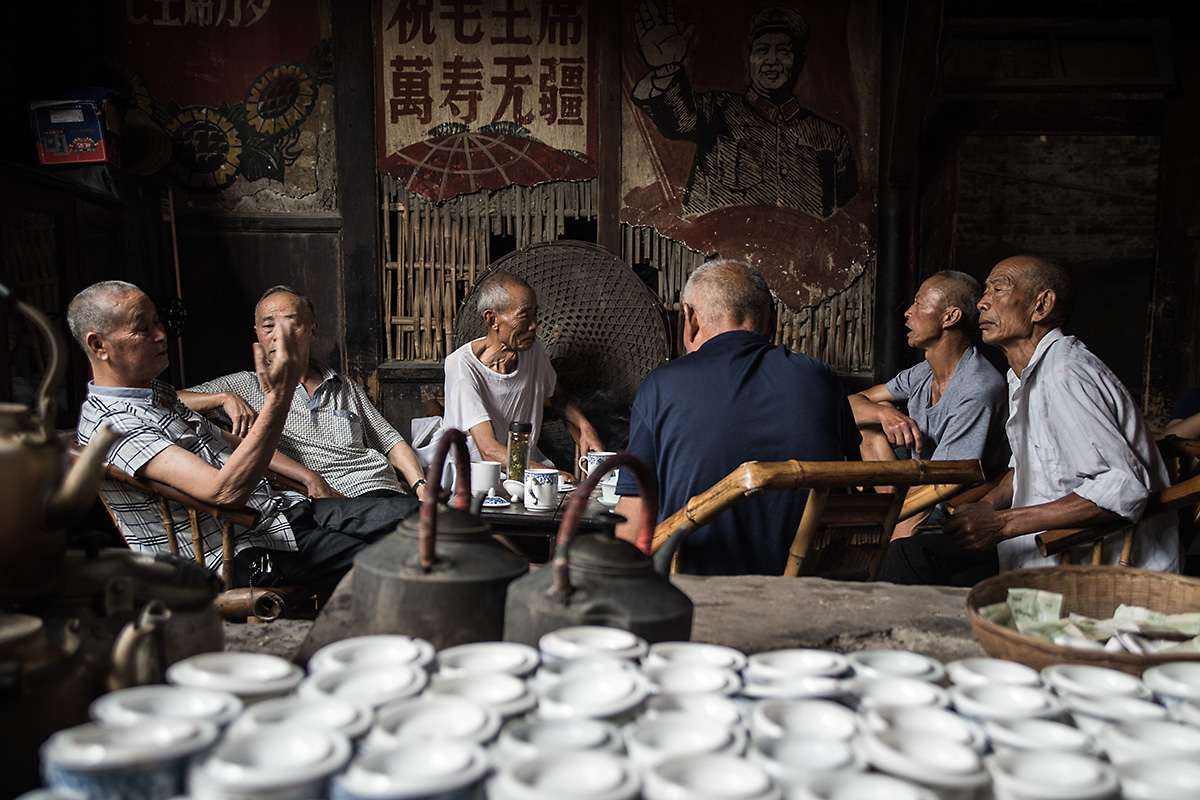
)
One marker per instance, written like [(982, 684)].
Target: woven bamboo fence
[(433, 253)]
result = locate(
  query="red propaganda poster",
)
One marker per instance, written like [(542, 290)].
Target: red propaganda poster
[(229, 81), (749, 132), (481, 95)]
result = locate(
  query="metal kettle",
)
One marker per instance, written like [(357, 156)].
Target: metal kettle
[(442, 578), (41, 492), (598, 579)]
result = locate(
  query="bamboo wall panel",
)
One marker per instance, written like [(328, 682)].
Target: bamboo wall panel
[(433, 254)]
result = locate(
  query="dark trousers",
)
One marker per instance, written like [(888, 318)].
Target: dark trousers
[(329, 534), (935, 559)]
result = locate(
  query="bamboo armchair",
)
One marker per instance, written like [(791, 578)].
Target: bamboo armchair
[(165, 494), (840, 536), (1183, 493)]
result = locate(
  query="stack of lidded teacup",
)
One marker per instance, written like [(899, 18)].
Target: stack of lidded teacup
[(596, 713)]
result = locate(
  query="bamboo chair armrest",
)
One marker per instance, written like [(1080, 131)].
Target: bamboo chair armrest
[(238, 516), (1175, 446), (283, 482), (754, 477), (929, 495), (1172, 498)]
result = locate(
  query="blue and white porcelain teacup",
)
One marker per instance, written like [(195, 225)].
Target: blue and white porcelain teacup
[(541, 489)]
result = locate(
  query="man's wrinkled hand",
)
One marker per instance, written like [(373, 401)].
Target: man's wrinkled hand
[(900, 430), (241, 414), (589, 442), (975, 525), (317, 487)]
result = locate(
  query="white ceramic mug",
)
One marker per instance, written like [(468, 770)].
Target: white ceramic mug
[(541, 489), (591, 460), (485, 477)]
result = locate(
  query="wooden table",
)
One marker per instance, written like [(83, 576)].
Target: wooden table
[(531, 532)]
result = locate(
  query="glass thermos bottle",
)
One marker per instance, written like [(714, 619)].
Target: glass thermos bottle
[(518, 449)]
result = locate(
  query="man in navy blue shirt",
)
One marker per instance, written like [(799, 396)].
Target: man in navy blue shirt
[(734, 397)]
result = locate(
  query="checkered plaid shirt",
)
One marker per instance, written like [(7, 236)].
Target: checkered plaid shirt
[(336, 433), (154, 419)]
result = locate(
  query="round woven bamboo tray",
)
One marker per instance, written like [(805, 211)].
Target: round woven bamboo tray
[(1089, 590)]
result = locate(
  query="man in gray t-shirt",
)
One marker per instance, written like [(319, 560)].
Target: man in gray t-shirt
[(955, 399)]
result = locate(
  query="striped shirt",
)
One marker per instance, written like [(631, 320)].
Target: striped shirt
[(154, 419), (336, 432), (1074, 427)]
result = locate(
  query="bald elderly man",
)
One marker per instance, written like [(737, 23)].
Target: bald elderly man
[(1082, 452)]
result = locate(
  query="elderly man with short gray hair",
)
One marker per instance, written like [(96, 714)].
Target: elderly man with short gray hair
[(506, 376), (734, 397), (332, 427), (308, 541)]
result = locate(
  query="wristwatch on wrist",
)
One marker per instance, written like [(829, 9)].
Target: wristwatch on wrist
[(418, 484)]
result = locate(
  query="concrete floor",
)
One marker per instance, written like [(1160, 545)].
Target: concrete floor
[(751, 613)]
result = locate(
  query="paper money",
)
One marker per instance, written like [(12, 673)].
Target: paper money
[(1032, 607), (999, 613), (1098, 630), (1047, 631), (1133, 629)]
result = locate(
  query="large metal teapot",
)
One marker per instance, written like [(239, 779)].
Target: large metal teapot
[(40, 495), (598, 579), (442, 578)]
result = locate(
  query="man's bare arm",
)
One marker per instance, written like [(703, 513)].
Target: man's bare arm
[(314, 483), (988, 522), (232, 484), (564, 403), (241, 414), (404, 461), (1187, 428), (873, 408), (629, 506)]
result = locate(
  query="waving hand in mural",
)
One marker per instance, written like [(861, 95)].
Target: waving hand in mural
[(660, 41)]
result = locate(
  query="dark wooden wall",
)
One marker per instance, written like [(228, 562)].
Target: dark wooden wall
[(226, 264)]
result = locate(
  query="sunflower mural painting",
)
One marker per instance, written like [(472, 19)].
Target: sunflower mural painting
[(255, 138), (202, 81)]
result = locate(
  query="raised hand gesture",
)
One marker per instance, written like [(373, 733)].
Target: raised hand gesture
[(660, 41), (281, 374)]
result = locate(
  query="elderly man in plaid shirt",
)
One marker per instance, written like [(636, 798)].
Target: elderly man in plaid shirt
[(331, 428), (307, 541)]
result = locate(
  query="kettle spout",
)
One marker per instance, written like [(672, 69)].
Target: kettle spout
[(75, 496), (666, 552)]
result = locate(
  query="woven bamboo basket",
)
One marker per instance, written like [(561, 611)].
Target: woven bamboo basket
[(602, 328), (1089, 590)]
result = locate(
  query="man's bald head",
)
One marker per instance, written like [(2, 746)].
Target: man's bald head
[(731, 295)]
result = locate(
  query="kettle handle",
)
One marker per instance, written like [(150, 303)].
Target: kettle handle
[(579, 498), (123, 670), (47, 394), (433, 476)]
